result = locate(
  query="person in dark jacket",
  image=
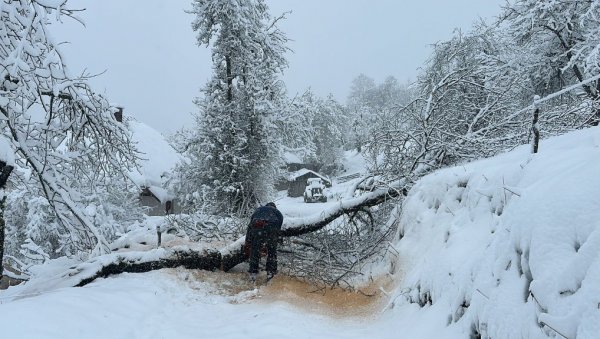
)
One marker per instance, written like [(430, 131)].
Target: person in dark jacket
[(263, 229)]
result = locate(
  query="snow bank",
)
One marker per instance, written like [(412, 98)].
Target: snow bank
[(509, 247)]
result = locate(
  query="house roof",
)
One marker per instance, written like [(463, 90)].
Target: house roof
[(160, 193), (302, 172), (158, 156)]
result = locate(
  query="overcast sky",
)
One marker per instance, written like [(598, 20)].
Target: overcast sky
[(153, 67)]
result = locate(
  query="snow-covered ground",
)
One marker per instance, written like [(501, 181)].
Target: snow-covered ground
[(507, 247)]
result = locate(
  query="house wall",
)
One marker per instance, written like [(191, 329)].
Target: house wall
[(156, 208), (296, 187)]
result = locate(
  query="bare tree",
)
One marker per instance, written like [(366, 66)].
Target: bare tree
[(560, 43), (59, 129)]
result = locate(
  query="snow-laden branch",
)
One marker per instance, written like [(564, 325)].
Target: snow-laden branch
[(300, 226), (60, 131), (11, 275)]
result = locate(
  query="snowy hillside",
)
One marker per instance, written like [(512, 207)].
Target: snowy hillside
[(507, 247)]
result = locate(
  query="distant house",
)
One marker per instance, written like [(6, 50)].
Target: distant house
[(159, 158), (296, 181)]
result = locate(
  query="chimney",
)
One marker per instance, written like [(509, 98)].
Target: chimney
[(119, 114)]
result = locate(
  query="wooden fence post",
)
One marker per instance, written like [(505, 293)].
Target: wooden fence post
[(158, 233), (534, 126)]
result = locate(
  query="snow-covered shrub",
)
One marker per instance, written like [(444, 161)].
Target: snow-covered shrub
[(30, 219)]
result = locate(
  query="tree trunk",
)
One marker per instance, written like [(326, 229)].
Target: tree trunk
[(5, 171), (229, 79), (2, 237), (188, 259), (232, 255)]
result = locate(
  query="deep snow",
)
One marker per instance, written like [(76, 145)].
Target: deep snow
[(506, 247), (509, 247)]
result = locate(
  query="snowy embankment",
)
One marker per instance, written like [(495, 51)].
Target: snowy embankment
[(509, 247)]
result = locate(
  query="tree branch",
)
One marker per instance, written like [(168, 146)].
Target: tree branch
[(223, 259)]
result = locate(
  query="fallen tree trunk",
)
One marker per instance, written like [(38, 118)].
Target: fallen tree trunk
[(207, 260), (223, 259)]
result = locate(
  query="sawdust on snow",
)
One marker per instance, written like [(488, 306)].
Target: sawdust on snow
[(365, 301)]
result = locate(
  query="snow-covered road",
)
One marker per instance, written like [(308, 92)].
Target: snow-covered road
[(172, 304)]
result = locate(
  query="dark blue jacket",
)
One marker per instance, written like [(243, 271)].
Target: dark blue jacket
[(269, 214)]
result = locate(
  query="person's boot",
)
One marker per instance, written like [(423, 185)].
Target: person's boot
[(252, 277), (270, 275)]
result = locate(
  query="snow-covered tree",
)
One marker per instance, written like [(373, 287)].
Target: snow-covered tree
[(314, 129), (361, 106), (329, 134), (474, 100), (294, 125), (369, 105), (462, 109), (234, 151), (559, 43), (67, 144)]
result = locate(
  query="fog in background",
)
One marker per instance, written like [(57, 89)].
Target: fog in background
[(151, 65)]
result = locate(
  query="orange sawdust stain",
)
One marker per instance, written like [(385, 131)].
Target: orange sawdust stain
[(366, 301)]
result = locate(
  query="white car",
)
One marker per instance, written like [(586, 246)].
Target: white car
[(314, 191)]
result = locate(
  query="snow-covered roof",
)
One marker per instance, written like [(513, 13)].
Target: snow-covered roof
[(301, 172), (160, 193), (158, 156)]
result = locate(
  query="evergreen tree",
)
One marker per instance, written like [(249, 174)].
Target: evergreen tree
[(314, 129), (328, 137), (234, 151)]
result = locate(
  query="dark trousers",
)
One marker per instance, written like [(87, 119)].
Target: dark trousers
[(258, 238)]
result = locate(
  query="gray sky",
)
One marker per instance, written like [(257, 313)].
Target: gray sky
[(154, 68)]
